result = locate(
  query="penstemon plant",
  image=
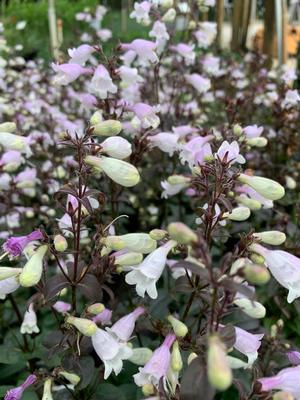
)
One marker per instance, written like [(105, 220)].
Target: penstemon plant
[(142, 232)]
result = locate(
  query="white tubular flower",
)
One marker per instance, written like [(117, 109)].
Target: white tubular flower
[(110, 351), (29, 324), (8, 286), (102, 83), (145, 275)]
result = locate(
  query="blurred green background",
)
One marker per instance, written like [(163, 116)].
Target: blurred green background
[(35, 37)]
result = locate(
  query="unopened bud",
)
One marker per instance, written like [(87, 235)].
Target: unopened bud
[(148, 389), (8, 272), (167, 3), (169, 16), (116, 147), (107, 128), (158, 234), (83, 325), (176, 359), (257, 258), (218, 369), (47, 393), (252, 308), (140, 355), (179, 328), (237, 130), (256, 274), (238, 214), (60, 243), (72, 378), (32, 270), (290, 183), (266, 187), (181, 233), (178, 180), (96, 118), (136, 242), (271, 237), (257, 142), (250, 203), (191, 357), (9, 127), (130, 258), (96, 308)]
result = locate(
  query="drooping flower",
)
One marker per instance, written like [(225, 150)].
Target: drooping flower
[(145, 49), (248, 344), (165, 141), (285, 268), (81, 54), (186, 52), (29, 324), (16, 393), (145, 116), (67, 73), (146, 274), (158, 365), (287, 379), (124, 327), (16, 244), (110, 351), (201, 84), (141, 12), (8, 286), (102, 83), (104, 317)]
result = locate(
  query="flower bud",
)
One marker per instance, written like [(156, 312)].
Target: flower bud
[(290, 182), (218, 369), (140, 355), (179, 328), (83, 325), (191, 357), (8, 272), (119, 171), (252, 308), (256, 274), (178, 179), (266, 187), (283, 396), (72, 378), (32, 270), (96, 308), (238, 214), (238, 264), (136, 242), (237, 130), (181, 233), (148, 389), (116, 147), (158, 234), (176, 359), (60, 243), (110, 127), (257, 142), (167, 3), (130, 258), (271, 237), (96, 118), (250, 203), (9, 127), (257, 258), (47, 393), (169, 16)]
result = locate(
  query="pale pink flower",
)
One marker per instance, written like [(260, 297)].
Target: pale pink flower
[(141, 12), (145, 49), (230, 152), (202, 85), (165, 141), (101, 83), (81, 54), (253, 131), (124, 327), (67, 73), (287, 379)]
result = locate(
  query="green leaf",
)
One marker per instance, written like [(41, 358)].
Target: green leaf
[(107, 391)]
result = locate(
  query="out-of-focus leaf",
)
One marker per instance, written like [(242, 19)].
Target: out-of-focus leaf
[(194, 383), (107, 391), (182, 285), (235, 287), (55, 285), (228, 335), (82, 366), (90, 288)]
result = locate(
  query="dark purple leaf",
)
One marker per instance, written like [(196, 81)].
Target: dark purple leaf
[(54, 285), (90, 288), (194, 268), (234, 287)]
